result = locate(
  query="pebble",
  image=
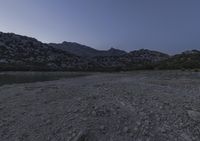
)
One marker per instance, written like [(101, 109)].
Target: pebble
[(70, 132), (135, 129), (81, 136), (94, 113), (48, 121), (194, 115), (148, 139), (125, 130), (79, 99), (162, 130), (138, 123), (186, 137), (102, 127), (115, 113), (131, 134), (74, 134), (76, 110), (95, 107), (84, 119), (82, 110)]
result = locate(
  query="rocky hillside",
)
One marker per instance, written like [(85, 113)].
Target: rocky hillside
[(25, 53), (186, 60), (145, 55), (139, 59), (86, 51)]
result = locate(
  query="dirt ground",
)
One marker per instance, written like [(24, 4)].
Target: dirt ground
[(131, 106)]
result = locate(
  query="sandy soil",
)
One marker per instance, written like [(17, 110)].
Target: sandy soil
[(133, 106)]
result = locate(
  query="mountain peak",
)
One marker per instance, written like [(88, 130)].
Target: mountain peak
[(116, 52), (191, 51)]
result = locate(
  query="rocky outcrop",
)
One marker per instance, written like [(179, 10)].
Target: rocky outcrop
[(185, 60), (139, 59), (86, 51), (24, 53)]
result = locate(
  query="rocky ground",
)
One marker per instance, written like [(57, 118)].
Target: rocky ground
[(133, 106)]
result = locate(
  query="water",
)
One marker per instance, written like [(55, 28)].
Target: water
[(29, 77)]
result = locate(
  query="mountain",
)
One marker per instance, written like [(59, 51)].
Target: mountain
[(145, 55), (186, 60), (139, 59), (191, 52), (115, 52), (22, 53), (25, 53), (86, 51)]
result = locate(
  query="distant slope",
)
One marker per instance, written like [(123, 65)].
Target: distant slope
[(139, 59), (147, 55), (186, 60), (85, 51), (25, 53), (21, 53)]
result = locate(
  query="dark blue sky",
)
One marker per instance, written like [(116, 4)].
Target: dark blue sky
[(170, 26)]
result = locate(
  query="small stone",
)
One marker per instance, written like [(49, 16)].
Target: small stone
[(84, 119), (95, 107), (158, 119), (143, 101), (70, 132), (117, 107), (138, 123), (76, 110), (122, 103), (82, 110), (194, 115), (102, 127), (135, 129), (142, 114), (94, 113), (74, 134), (134, 104), (186, 137), (131, 134), (125, 130), (48, 121), (82, 135), (162, 130), (148, 139), (79, 99), (181, 124), (70, 126)]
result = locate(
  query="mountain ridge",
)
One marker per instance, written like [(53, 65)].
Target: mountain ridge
[(86, 51), (22, 53)]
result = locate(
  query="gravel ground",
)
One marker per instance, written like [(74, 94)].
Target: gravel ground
[(132, 106)]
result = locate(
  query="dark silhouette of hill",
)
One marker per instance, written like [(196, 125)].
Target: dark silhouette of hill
[(25, 53), (186, 60), (86, 51), (20, 53)]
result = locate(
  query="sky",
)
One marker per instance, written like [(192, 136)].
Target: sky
[(170, 26)]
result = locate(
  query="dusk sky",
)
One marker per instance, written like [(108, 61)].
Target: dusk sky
[(170, 26)]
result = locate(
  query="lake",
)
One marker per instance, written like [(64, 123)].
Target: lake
[(29, 77)]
